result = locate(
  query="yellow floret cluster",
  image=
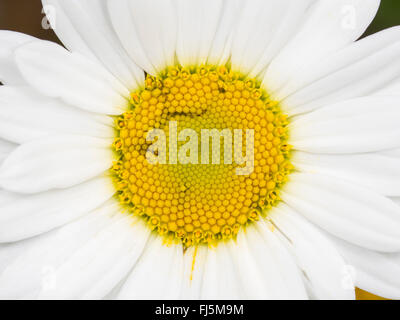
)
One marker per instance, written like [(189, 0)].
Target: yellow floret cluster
[(200, 203)]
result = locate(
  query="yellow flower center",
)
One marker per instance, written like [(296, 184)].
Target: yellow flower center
[(224, 154)]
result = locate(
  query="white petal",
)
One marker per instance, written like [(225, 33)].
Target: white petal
[(9, 252), (35, 261), (112, 279), (24, 217), (5, 148), (7, 197), (220, 50), (358, 70), (26, 115), (328, 27), (124, 26), (378, 172), (55, 162), (220, 279), (147, 30), (396, 200), (9, 41), (194, 259), (105, 260), (325, 271), (393, 153), (352, 213), (279, 272), (66, 263), (263, 28), (375, 272), (360, 125), (197, 27), (391, 89), (255, 266), (84, 26), (158, 273), (57, 73)]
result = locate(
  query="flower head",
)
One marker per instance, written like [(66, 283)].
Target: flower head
[(201, 149)]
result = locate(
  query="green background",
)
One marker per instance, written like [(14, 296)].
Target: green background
[(388, 16)]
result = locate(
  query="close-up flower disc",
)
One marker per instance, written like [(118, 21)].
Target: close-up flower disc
[(194, 201), (200, 149)]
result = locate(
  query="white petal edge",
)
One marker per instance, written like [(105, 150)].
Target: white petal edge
[(325, 272), (352, 213), (9, 252), (280, 275), (9, 41), (6, 148), (393, 153), (360, 69), (147, 30), (88, 275), (26, 115), (58, 73), (23, 217), (157, 274), (197, 27), (194, 259), (84, 26), (378, 172), (359, 125), (220, 280), (343, 20), (255, 266), (391, 89), (375, 272), (45, 253), (65, 263), (263, 28), (220, 50), (55, 162), (7, 197)]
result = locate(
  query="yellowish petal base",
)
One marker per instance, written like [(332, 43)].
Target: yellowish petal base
[(364, 295)]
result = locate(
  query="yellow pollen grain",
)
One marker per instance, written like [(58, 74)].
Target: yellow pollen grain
[(200, 203)]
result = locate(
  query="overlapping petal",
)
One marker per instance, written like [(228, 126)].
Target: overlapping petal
[(6, 148), (359, 125), (58, 73), (158, 273), (147, 31), (350, 212), (328, 27), (357, 70), (84, 26), (25, 115), (55, 162), (377, 171), (326, 274), (375, 272), (22, 217), (65, 263), (9, 41)]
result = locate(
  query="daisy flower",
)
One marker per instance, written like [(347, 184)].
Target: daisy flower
[(85, 215)]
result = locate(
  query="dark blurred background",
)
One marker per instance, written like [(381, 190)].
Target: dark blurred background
[(388, 16), (26, 16)]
